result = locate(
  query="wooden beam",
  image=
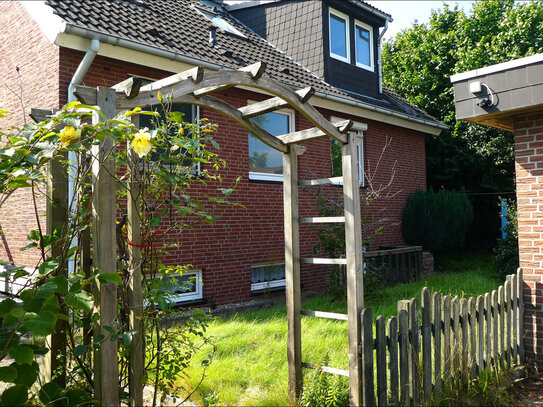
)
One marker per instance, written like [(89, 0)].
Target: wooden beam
[(322, 260), (292, 273), (39, 115), (196, 74), (353, 251), (322, 181), (106, 368), (273, 104), (88, 95), (327, 369), (315, 132), (327, 315), (255, 71), (323, 219), (130, 87)]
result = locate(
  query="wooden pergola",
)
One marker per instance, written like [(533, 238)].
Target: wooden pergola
[(196, 87)]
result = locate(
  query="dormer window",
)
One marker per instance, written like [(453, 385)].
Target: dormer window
[(339, 36), (363, 45)]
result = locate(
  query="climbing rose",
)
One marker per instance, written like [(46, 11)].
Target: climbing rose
[(68, 135), (142, 143)]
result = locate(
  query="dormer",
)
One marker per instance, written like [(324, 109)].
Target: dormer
[(338, 40)]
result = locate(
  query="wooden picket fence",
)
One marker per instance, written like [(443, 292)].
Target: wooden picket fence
[(399, 265), (411, 357)]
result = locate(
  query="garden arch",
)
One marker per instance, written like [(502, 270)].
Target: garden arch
[(196, 86)]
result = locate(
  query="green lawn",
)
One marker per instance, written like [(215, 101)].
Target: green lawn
[(250, 367)]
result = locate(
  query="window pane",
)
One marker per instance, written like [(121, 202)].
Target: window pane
[(338, 40), (263, 274), (263, 158), (363, 46)]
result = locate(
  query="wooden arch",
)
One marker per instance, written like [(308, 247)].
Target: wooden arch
[(195, 86)]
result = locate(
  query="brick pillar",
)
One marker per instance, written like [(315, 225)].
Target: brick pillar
[(529, 176)]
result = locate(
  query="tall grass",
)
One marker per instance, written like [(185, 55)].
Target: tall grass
[(250, 364)]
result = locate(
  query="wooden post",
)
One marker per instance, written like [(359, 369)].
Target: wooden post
[(426, 344), (57, 215), (403, 330), (106, 381), (446, 338), (353, 250), (520, 293), (367, 357), (480, 333), (495, 319), (436, 300), (456, 336), (393, 359), (472, 337), (292, 272), (488, 331), (381, 358), (135, 294), (501, 306), (465, 337), (508, 321), (514, 315)]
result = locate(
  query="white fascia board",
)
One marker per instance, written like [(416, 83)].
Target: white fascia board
[(516, 63), (50, 24)]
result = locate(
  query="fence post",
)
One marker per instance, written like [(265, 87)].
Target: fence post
[(488, 331), (520, 293), (501, 306), (392, 328), (426, 344), (514, 314), (368, 398), (480, 333), (436, 301), (456, 335), (472, 337), (465, 337), (381, 359), (495, 323), (403, 328), (507, 289), (446, 337)]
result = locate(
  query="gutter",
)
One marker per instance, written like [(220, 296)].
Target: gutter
[(175, 56), (79, 74), (379, 60)]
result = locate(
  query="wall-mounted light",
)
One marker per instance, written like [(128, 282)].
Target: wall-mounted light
[(485, 99)]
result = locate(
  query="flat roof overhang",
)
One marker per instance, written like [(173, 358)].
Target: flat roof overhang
[(495, 95)]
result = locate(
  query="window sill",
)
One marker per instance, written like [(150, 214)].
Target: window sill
[(263, 177)]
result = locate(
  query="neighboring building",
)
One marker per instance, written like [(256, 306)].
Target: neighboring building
[(330, 45), (509, 96)]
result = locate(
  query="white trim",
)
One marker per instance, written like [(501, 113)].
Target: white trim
[(198, 294), (344, 17), (264, 176), (515, 63), (369, 28), (359, 128), (265, 285)]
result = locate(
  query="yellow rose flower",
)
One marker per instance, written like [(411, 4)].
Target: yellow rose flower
[(141, 143), (68, 135)]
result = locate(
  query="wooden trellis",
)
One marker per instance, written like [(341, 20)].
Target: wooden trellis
[(195, 87)]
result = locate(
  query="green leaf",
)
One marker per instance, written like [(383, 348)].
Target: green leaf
[(41, 324), (27, 374), (127, 338), (14, 396), (6, 337), (50, 392), (8, 374), (81, 300), (77, 397), (61, 282), (155, 221), (12, 318), (22, 354), (48, 266), (110, 278), (7, 305)]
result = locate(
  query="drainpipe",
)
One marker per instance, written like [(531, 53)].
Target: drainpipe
[(379, 61), (79, 74)]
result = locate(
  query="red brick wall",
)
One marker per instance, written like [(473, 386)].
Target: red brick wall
[(529, 176), (252, 235), (23, 46)]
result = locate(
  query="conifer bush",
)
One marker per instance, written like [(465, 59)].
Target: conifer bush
[(438, 221)]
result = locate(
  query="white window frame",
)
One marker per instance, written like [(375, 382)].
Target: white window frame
[(266, 285), (358, 128), (223, 25), (369, 28), (198, 294), (344, 17), (264, 176)]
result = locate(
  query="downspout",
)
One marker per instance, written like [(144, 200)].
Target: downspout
[(379, 60), (79, 74)]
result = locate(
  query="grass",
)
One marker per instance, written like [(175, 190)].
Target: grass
[(250, 366)]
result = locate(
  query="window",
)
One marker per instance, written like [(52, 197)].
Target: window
[(266, 163), (185, 287), (220, 22), (364, 45), (339, 36), (335, 149), (267, 276)]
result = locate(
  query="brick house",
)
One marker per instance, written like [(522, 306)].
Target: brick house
[(509, 96), (330, 45)]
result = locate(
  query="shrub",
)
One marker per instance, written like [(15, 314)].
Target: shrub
[(325, 390), (439, 221), (506, 251)]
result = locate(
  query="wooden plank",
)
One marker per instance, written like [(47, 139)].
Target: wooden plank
[(135, 293), (514, 316), (104, 249), (273, 104), (322, 260), (426, 343), (255, 71), (436, 319), (488, 331), (392, 328), (367, 347), (501, 307), (353, 251), (323, 219), (87, 95), (480, 333), (473, 337), (322, 181), (381, 359), (508, 321), (465, 337), (57, 216), (495, 323), (130, 87), (40, 115), (403, 323), (196, 74), (415, 349), (446, 337), (327, 369), (455, 305), (327, 315), (520, 292), (315, 133), (292, 273)]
